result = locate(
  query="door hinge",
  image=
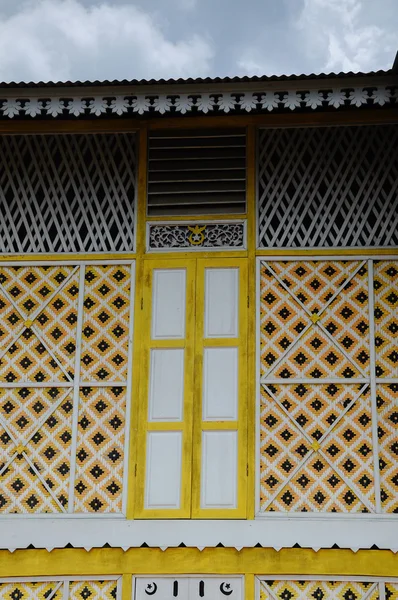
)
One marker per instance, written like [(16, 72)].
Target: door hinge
[(135, 470), (142, 303), (248, 302), (247, 470)]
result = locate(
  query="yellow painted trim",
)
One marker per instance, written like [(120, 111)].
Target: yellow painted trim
[(250, 587), (199, 425), (186, 426), (127, 586), (325, 251), (222, 342), (229, 217), (165, 426), (251, 326), (168, 343), (135, 388), (216, 254), (219, 425), (141, 561)]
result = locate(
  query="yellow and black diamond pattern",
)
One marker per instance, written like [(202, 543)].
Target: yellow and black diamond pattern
[(35, 464), (38, 335), (93, 590), (387, 407), (100, 450), (39, 590), (316, 439), (316, 449), (105, 324), (386, 318), (314, 319), (391, 591), (318, 590)]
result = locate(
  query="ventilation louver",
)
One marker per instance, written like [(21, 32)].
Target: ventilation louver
[(197, 172)]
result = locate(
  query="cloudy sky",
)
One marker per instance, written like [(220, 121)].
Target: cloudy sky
[(117, 39)]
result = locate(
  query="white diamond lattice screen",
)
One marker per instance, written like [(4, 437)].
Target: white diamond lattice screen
[(67, 193), (335, 186)]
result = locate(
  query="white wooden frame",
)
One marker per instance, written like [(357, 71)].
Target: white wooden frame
[(371, 380), (189, 576), (76, 385)]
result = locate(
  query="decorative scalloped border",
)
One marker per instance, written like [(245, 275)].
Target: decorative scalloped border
[(202, 103)]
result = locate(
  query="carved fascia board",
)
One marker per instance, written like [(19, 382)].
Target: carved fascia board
[(41, 104), (286, 531)]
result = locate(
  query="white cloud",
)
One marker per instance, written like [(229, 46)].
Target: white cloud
[(323, 35), (342, 34), (63, 39)]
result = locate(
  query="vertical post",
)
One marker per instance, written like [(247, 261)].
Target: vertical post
[(125, 587), (133, 397), (76, 388), (373, 390), (251, 320)]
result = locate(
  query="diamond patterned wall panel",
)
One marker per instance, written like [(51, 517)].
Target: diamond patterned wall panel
[(332, 186), (322, 377), (387, 407), (105, 323), (39, 590), (315, 449), (319, 590), (94, 590), (46, 312), (100, 450), (67, 193), (391, 591), (314, 319), (35, 439), (386, 318)]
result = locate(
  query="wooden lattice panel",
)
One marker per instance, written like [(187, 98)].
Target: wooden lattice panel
[(62, 437), (335, 186), (67, 193), (323, 378)]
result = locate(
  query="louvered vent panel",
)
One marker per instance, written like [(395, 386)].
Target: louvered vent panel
[(67, 193), (322, 187), (197, 172)]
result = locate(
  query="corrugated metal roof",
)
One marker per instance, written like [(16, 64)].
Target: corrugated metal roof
[(195, 81)]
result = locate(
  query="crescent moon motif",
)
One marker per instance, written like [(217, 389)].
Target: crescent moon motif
[(225, 588), (151, 592)]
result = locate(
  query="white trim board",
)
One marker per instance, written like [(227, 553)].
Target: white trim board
[(310, 95), (353, 532)]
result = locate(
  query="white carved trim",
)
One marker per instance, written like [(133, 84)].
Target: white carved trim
[(205, 103), (354, 532)]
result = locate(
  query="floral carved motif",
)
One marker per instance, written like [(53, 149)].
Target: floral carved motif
[(197, 235), (204, 103)]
